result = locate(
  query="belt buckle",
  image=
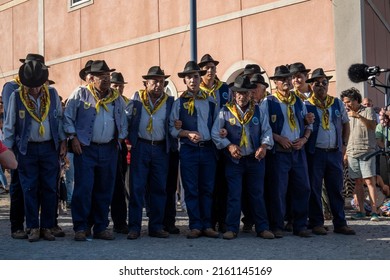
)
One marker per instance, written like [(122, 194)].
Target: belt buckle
[(201, 144), (153, 143)]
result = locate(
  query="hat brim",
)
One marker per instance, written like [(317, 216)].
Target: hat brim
[(99, 71), (33, 83), (215, 62), (23, 60), (312, 79), (185, 73), (148, 77), (281, 76), (118, 82), (300, 71)]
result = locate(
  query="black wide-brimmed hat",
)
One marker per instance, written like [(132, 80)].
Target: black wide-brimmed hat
[(281, 72), (33, 56), (87, 67), (155, 71), (252, 69), (258, 79), (117, 78), (318, 73), (190, 68), (99, 66), (298, 67), (33, 74), (206, 59), (242, 84)]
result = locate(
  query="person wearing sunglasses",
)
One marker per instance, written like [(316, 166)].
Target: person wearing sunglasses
[(325, 150)]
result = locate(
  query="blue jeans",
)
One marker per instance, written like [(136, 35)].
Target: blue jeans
[(197, 169)]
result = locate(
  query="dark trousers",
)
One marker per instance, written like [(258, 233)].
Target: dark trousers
[(171, 188), (289, 170), (220, 194), (118, 202), (327, 166), (16, 214)]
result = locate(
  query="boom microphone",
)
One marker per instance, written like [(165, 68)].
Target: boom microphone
[(361, 72)]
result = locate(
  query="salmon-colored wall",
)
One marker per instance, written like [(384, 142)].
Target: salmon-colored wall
[(299, 32)]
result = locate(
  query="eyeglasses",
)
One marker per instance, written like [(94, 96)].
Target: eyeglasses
[(323, 83)]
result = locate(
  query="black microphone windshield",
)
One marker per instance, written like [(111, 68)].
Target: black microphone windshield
[(358, 73)]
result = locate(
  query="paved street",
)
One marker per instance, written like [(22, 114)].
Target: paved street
[(372, 242)]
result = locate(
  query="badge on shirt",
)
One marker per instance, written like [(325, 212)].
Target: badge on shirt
[(55, 113), (22, 114), (87, 105), (273, 118), (232, 121), (255, 120), (225, 95), (337, 113), (185, 105)]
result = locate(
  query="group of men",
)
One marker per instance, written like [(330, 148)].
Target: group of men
[(240, 150)]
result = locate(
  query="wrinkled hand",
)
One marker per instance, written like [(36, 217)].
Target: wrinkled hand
[(299, 143), (223, 133), (260, 153), (178, 124), (76, 146), (194, 136), (384, 117), (309, 118), (285, 142), (235, 151), (63, 149), (353, 114)]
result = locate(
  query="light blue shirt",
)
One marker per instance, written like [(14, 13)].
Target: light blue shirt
[(104, 125), (9, 125), (326, 139)]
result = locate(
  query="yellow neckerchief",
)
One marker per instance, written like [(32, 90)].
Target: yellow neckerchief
[(302, 96), (232, 106), (31, 108), (114, 94), (289, 101), (17, 80), (144, 96), (190, 104), (125, 99), (324, 107), (211, 91)]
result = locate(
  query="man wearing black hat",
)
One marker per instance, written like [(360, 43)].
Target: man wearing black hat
[(219, 93), (197, 155), (299, 76), (249, 136), (148, 116), (95, 122), (118, 204), (259, 93), (34, 128), (287, 162), (325, 152)]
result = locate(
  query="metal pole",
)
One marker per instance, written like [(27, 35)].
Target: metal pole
[(193, 27)]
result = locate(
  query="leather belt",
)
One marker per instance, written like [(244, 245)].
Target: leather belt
[(328, 150), (100, 144), (40, 143), (152, 142), (279, 148), (204, 144)]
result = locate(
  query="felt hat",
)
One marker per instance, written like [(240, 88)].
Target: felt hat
[(190, 68), (33, 73)]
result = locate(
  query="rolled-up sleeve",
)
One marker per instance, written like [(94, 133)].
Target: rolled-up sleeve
[(219, 123)]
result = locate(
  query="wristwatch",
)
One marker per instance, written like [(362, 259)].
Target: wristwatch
[(71, 136)]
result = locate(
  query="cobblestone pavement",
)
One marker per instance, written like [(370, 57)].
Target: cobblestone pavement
[(372, 242)]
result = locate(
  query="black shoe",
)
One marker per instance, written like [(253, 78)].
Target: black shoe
[(172, 229), (121, 229), (159, 234)]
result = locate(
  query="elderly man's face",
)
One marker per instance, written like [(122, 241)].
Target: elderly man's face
[(118, 87), (242, 98), (101, 81), (320, 87), (155, 86), (283, 84), (259, 92)]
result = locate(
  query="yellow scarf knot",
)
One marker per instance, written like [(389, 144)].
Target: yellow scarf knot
[(31, 107), (324, 107), (289, 101), (112, 96), (211, 91), (243, 120), (144, 96), (190, 104)]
